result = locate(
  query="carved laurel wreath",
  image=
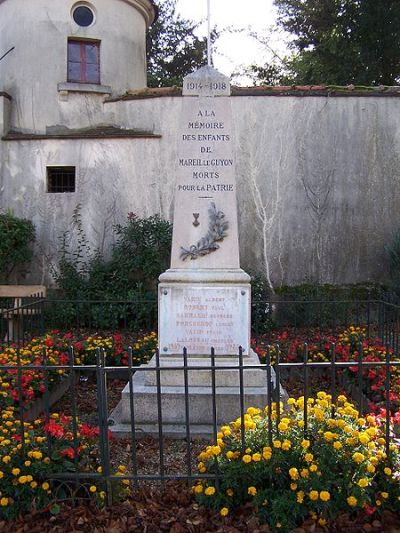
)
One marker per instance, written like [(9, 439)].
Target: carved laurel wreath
[(217, 231)]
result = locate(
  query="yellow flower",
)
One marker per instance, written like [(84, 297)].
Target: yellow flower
[(34, 484), (198, 489), (313, 468), (277, 444), (15, 471), (286, 445), (305, 444), (370, 468), (210, 491), (313, 494), (246, 458), (224, 511), (93, 488), (364, 438), (304, 473), (337, 445), (322, 521), (229, 492), (324, 495), (45, 486), (363, 482), (388, 471), (358, 457), (252, 491), (300, 496), (352, 501), (293, 486), (385, 495), (267, 453), (294, 473), (308, 457), (23, 479), (4, 502), (256, 457)]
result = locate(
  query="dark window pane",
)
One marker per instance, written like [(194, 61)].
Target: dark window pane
[(60, 179), (92, 53), (74, 51), (74, 72), (92, 73), (83, 16)]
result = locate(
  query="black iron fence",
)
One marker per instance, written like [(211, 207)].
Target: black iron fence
[(35, 316), (75, 392)]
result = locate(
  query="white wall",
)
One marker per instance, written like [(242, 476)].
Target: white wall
[(326, 170)]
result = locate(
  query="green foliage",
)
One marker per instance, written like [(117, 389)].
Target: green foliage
[(312, 305), (393, 252), (173, 50), (17, 234), (261, 305), (342, 41), (120, 291)]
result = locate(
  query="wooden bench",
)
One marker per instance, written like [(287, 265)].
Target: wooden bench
[(15, 312)]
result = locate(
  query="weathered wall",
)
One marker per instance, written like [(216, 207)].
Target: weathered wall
[(317, 182), (32, 72)]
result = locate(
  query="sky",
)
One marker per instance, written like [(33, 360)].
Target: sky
[(234, 50)]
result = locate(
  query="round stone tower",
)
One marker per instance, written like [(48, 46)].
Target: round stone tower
[(68, 55)]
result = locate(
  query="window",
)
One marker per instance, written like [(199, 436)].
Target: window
[(60, 179), (83, 61), (83, 16)]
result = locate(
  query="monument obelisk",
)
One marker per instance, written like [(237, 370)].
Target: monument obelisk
[(204, 298)]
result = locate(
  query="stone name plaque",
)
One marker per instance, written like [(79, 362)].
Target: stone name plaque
[(198, 318)]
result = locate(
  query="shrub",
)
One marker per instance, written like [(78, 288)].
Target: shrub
[(17, 234), (290, 471), (139, 256)]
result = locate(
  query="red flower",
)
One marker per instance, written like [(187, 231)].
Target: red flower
[(68, 452), (56, 430), (88, 431)]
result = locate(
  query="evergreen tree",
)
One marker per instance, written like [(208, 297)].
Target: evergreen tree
[(173, 49), (343, 41)]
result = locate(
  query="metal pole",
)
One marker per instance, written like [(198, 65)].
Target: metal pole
[(208, 34)]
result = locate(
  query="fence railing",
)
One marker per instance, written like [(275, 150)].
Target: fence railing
[(159, 468), (380, 317)]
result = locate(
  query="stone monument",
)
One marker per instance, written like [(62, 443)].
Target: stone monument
[(204, 298)]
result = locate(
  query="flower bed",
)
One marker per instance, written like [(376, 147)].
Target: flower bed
[(29, 463), (29, 385), (348, 345), (289, 473)]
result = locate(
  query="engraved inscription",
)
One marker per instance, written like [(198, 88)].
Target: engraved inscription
[(208, 317)]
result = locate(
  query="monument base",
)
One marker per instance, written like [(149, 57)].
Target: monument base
[(199, 396)]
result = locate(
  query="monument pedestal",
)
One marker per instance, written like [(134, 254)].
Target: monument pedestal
[(200, 395)]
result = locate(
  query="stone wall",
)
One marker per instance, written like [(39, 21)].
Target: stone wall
[(317, 179)]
